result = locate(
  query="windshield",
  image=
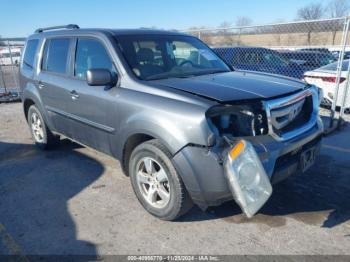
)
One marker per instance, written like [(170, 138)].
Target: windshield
[(164, 56)]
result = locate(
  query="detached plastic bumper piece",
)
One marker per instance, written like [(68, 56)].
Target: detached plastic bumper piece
[(248, 181)]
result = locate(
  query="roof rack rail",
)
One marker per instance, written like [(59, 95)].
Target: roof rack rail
[(70, 26)]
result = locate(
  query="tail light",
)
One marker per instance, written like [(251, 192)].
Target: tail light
[(330, 79)]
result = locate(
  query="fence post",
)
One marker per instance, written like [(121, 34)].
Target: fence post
[(239, 37), (343, 103), (12, 64), (339, 68), (345, 93)]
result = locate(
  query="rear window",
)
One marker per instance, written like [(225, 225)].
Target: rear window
[(29, 55), (333, 66), (55, 57)]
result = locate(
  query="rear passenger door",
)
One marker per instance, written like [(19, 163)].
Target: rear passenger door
[(53, 81), (93, 107)]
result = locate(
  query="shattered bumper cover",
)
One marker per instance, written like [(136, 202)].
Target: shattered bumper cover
[(203, 172)]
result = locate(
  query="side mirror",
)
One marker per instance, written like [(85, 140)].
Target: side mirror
[(101, 77)]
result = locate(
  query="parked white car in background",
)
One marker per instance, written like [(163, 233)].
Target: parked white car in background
[(325, 78), (5, 56)]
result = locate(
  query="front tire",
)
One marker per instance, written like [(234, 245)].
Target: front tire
[(156, 183), (41, 134)]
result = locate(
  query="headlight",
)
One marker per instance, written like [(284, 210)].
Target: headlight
[(238, 120), (248, 181)]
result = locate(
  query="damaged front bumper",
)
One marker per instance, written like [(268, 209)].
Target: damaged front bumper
[(203, 169)]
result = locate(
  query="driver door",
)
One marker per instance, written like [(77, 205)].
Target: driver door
[(92, 108)]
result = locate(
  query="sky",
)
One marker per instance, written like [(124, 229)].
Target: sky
[(19, 18)]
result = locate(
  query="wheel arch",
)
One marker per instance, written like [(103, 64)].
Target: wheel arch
[(27, 103), (31, 96), (130, 144)]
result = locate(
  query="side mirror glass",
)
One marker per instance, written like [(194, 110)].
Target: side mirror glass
[(101, 77)]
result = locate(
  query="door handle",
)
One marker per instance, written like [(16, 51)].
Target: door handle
[(74, 94)]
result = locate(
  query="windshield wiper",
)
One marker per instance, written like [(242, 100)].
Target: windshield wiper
[(157, 77), (209, 72), (167, 75)]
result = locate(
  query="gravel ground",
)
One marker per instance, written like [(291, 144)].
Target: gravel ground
[(74, 200)]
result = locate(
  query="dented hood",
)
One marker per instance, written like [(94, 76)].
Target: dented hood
[(237, 85)]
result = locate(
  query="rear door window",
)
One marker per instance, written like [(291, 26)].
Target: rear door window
[(29, 55), (91, 54), (55, 58)]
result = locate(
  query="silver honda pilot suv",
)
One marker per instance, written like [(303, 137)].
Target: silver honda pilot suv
[(186, 127)]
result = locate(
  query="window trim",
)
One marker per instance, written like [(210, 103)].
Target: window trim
[(74, 55), (69, 56)]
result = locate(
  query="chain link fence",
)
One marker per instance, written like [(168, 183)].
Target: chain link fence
[(315, 51), (10, 53)]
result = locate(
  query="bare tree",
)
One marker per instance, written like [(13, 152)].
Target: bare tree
[(225, 24), (310, 12), (227, 36), (337, 8), (205, 36), (243, 21)]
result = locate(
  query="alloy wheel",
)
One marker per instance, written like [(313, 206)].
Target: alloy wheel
[(153, 182), (37, 127)]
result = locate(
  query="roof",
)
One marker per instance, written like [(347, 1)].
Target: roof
[(115, 32), (144, 31)]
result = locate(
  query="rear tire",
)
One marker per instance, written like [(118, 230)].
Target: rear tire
[(43, 137), (157, 185)]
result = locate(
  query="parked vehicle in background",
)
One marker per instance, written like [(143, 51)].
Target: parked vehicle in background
[(5, 56), (315, 49), (308, 60), (259, 59), (336, 54), (325, 78), (185, 127)]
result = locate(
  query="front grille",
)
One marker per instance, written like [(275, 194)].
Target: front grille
[(292, 115), (297, 115)]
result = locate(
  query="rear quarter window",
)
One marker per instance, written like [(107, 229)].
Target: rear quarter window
[(29, 55)]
